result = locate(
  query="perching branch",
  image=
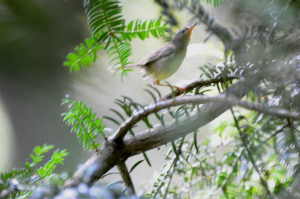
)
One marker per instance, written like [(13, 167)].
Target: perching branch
[(117, 148), (200, 83), (113, 153), (198, 99)]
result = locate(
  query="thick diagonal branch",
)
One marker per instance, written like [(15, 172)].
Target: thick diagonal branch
[(112, 154), (117, 149)]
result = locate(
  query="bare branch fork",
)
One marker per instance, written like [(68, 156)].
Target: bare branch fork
[(197, 83), (117, 148), (113, 153)]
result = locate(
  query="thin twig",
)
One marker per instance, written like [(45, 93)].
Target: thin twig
[(274, 134), (232, 172), (126, 177), (200, 83), (292, 133), (200, 13), (112, 153), (174, 166), (169, 173), (263, 182)]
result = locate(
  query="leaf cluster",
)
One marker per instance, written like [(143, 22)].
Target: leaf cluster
[(85, 54), (220, 167), (254, 151), (84, 123), (20, 183), (111, 33), (143, 29)]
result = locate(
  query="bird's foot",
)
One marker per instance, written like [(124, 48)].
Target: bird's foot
[(181, 89)]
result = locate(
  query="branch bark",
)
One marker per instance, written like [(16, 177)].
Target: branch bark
[(249, 153), (126, 177), (112, 153), (200, 83), (198, 99), (117, 148)]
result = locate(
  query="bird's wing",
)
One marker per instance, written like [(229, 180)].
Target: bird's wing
[(164, 51)]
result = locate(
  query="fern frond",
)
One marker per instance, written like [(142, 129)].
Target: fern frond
[(57, 158), (84, 123), (12, 174), (109, 31), (143, 30), (38, 154), (215, 2), (104, 15), (119, 52), (85, 54)]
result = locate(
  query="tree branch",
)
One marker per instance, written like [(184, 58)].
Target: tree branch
[(113, 153), (222, 33), (126, 177), (195, 7), (274, 134), (200, 83), (262, 180), (197, 99)]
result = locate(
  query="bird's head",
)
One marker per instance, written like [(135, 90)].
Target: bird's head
[(182, 38)]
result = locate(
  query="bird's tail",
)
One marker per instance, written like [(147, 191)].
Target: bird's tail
[(119, 68)]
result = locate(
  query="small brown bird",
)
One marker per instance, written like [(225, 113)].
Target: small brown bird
[(165, 61)]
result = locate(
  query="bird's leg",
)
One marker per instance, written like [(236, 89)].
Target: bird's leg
[(158, 95), (157, 82)]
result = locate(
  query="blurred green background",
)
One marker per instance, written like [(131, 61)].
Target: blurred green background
[(35, 37)]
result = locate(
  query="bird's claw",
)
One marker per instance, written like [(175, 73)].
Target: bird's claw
[(181, 90)]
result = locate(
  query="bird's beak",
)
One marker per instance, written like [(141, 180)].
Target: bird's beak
[(192, 27)]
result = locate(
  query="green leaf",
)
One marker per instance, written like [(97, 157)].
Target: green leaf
[(114, 183), (109, 173), (85, 123), (119, 52), (175, 149), (84, 55), (138, 28), (39, 151), (135, 165), (104, 15), (57, 158), (147, 159), (195, 141)]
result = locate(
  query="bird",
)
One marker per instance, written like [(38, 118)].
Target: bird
[(165, 61)]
